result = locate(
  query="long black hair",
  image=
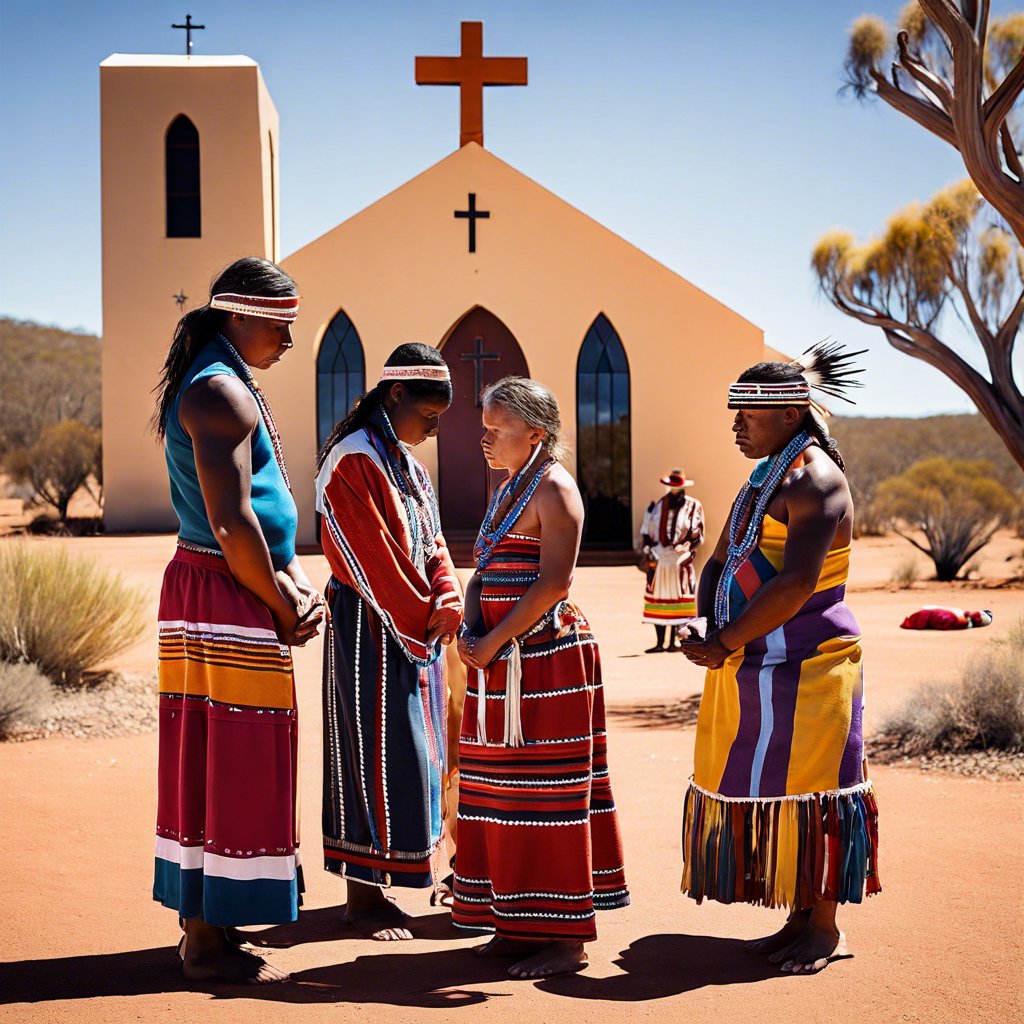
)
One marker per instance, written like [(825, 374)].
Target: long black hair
[(785, 373), (250, 275), (413, 353)]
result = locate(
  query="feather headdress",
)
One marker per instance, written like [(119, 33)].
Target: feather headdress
[(828, 368), (824, 367)]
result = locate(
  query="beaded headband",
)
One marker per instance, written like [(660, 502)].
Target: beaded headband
[(286, 309), (825, 367), (416, 373), (797, 392)]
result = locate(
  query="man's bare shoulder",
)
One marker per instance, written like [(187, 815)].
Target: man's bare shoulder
[(818, 484)]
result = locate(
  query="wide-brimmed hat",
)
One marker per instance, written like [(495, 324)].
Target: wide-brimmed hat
[(676, 478)]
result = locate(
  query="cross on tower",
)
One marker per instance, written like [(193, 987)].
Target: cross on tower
[(471, 71), (189, 29), (472, 215), (478, 357)]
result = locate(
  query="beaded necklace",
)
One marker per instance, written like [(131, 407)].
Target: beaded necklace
[(748, 515), (246, 375), (490, 535), (417, 494)]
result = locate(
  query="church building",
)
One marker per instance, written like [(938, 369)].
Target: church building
[(470, 255)]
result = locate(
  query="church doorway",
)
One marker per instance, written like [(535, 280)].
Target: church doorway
[(479, 350)]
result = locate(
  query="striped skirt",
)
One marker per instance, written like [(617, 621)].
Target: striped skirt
[(384, 752), (226, 835), (539, 848), (780, 812)]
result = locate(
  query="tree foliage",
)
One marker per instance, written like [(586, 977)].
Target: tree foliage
[(46, 375), (876, 449), (64, 458), (956, 503), (946, 255), (959, 76)]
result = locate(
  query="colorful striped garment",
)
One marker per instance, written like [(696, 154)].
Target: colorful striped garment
[(539, 848), (227, 837), (780, 811), (384, 691), (670, 593)]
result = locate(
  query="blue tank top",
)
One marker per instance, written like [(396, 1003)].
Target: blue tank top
[(270, 498)]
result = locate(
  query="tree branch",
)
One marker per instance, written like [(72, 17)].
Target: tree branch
[(982, 26), (926, 114), (906, 536), (1010, 153), (923, 75), (998, 106)]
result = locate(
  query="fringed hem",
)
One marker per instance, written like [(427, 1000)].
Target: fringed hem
[(784, 852)]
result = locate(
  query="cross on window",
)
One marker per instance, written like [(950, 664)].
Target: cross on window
[(478, 357), (471, 71), (471, 215), (189, 29)]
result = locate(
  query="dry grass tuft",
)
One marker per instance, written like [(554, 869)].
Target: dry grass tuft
[(25, 695), (983, 710), (907, 572), (68, 616)]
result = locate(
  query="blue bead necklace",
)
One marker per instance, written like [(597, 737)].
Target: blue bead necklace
[(748, 514), (490, 535)]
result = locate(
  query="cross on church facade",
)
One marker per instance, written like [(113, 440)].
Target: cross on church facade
[(472, 215), (189, 29), (478, 357), (471, 71)]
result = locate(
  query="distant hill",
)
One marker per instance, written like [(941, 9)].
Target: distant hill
[(876, 449), (46, 375)]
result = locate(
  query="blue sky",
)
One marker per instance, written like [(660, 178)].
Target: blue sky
[(710, 135)]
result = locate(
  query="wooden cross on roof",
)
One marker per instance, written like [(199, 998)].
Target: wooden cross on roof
[(471, 71)]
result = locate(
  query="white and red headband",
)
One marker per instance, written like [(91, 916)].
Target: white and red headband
[(269, 307), (431, 372)]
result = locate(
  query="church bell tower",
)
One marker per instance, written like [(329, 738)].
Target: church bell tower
[(190, 183)]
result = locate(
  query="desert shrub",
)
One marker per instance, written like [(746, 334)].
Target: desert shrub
[(907, 572), (25, 694), (983, 710), (67, 615), (956, 503), (876, 449), (64, 457)]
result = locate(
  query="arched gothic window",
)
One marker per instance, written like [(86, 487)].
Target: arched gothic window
[(181, 165), (340, 374), (603, 437)]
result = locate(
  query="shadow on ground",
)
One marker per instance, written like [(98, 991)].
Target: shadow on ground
[(673, 714), (654, 967)]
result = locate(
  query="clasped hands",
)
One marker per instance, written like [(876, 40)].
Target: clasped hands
[(310, 612), (709, 653), (478, 652), (443, 624)]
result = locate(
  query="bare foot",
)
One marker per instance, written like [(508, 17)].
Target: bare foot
[(231, 964), (499, 946), (814, 950), (555, 958), (785, 936), (385, 922)]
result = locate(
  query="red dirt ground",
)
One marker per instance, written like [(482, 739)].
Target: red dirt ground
[(81, 940)]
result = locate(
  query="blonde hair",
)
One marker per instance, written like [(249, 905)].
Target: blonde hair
[(533, 403)]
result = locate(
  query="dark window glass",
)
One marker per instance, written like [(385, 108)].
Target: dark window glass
[(603, 437), (181, 167), (340, 374)]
